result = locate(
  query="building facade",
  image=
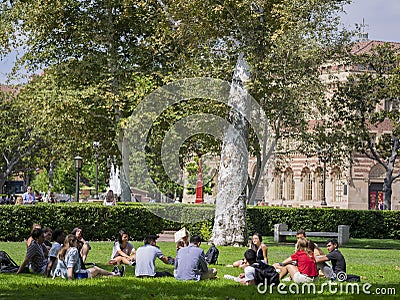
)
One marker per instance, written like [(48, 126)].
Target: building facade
[(357, 185)]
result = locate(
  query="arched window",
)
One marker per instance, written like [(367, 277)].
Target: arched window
[(278, 186), (337, 185), (289, 187), (307, 184), (319, 184)]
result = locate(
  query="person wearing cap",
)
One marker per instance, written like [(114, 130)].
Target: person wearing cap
[(145, 259)]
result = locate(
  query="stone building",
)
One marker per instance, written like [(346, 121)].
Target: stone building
[(354, 186)]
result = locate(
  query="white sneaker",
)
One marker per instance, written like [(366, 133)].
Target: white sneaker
[(286, 279), (230, 277)]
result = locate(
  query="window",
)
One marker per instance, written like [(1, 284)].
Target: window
[(337, 186), (289, 187), (319, 185), (307, 185), (278, 186)]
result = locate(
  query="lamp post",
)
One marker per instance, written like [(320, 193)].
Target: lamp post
[(96, 146), (78, 168), (324, 156)]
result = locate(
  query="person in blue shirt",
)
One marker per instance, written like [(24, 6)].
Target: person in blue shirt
[(28, 197), (145, 259), (190, 262)]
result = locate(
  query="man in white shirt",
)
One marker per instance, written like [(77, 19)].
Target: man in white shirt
[(58, 238)]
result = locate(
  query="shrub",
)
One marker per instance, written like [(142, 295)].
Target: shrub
[(102, 222)]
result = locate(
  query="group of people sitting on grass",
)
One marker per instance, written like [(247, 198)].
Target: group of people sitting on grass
[(66, 257), (307, 264)]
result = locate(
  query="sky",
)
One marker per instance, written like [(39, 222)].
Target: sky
[(382, 18)]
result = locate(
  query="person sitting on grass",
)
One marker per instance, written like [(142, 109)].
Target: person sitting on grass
[(123, 251), (34, 254), (334, 255), (58, 238), (190, 262), (69, 266), (145, 259), (306, 268), (30, 239), (322, 266), (248, 277), (259, 247), (84, 245)]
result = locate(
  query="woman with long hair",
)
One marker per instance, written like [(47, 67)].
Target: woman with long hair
[(259, 247), (69, 266), (84, 247), (306, 269), (123, 250)]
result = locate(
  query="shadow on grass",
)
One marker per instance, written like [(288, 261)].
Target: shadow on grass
[(353, 243), (132, 288)]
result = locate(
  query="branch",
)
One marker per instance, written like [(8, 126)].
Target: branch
[(174, 24)]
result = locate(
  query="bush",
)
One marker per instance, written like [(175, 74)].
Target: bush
[(102, 222)]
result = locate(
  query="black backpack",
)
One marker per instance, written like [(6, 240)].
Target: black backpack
[(212, 255), (8, 265), (265, 274)]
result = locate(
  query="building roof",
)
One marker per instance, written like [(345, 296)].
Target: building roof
[(366, 46)]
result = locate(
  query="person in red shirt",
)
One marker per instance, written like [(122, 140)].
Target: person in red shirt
[(306, 269)]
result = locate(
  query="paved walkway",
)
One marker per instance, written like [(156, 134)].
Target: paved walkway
[(166, 236)]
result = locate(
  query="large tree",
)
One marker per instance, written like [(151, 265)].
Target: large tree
[(273, 50), (102, 56), (367, 102)]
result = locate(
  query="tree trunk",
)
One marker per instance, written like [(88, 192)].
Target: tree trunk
[(124, 173), (387, 183), (230, 213)]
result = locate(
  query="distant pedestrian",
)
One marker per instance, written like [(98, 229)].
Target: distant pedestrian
[(28, 197), (109, 200)]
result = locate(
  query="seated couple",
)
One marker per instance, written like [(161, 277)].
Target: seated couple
[(305, 267)]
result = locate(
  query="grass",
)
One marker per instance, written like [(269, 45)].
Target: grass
[(378, 267)]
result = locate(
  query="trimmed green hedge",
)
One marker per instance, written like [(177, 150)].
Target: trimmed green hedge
[(102, 222), (363, 223)]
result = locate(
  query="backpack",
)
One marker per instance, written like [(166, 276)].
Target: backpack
[(212, 255), (265, 274), (8, 265)]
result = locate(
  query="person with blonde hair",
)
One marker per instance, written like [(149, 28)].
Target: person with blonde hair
[(306, 269), (69, 266)]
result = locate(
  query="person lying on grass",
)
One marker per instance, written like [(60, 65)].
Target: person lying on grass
[(123, 251), (69, 266)]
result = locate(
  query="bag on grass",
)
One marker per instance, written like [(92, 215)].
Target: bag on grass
[(212, 255), (8, 265), (265, 274)]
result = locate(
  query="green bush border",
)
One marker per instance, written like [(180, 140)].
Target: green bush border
[(102, 223)]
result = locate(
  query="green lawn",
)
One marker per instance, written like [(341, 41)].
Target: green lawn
[(379, 268)]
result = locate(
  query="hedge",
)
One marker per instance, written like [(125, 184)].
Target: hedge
[(102, 222)]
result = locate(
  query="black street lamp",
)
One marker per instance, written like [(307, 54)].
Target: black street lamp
[(324, 156), (96, 147), (78, 168)]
